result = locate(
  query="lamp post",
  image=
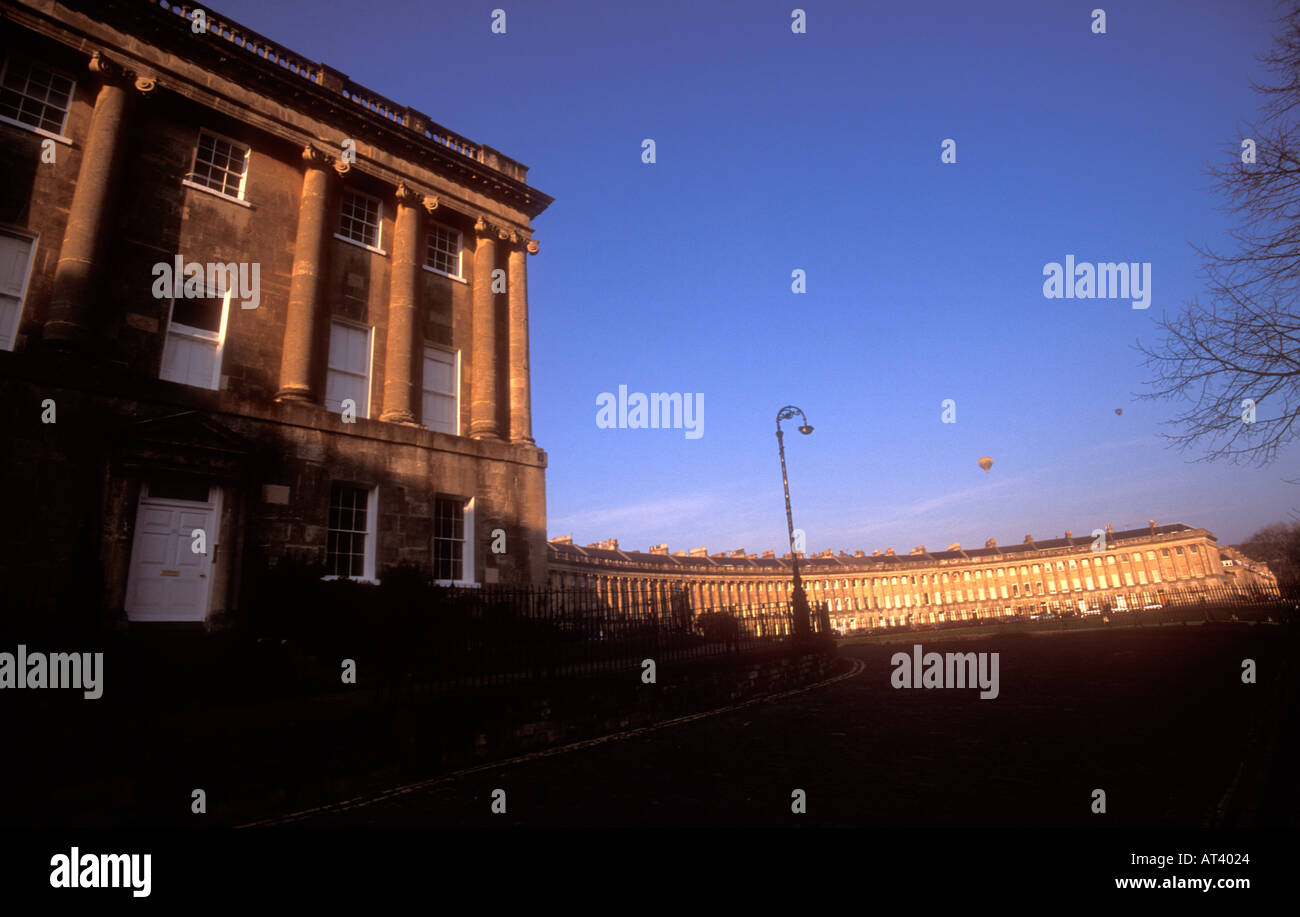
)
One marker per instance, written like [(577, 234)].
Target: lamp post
[(801, 610)]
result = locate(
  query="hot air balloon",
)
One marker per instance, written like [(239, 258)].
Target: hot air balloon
[(1119, 410), (986, 463)]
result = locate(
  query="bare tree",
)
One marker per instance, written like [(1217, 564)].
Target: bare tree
[(1277, 545), (1234, 362)]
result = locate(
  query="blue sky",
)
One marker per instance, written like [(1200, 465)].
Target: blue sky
[(821, 152)]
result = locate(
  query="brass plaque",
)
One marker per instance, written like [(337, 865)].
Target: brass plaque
[(169, 573)]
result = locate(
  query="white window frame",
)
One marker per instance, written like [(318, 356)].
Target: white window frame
[(370, 363), (189, 182), (372, 532), (201, 334), (456, 385), (377, 248), (60, 136), (460, 252), (467, 545), (27, 279)]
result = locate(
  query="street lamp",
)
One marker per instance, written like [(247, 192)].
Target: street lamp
[(801, 610)]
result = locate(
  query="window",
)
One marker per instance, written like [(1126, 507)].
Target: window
[(360, 219), (453, 557), (220, 165), (349, 548), (1164, 552), (1192, 548), (443, 252), (441, 384), (34, 96), (196, 332), (349, 368), (1178, 550), (15, 268)]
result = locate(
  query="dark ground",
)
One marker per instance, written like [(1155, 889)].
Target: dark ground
[(1158, 718)]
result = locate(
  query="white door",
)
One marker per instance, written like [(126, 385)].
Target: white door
[(167, 580), (15, 261)]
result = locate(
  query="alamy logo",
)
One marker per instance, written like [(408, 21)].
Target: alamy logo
[(1104, 280), (946, 670), (658, 410), (80, 671), (198, 281), (104, 870)]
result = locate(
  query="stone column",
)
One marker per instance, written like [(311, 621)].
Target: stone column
[(483, 374), (304, 286), (399, 354), (521, 409), (72, 300)]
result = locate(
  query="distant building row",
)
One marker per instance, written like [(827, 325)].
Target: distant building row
[(885, 589)]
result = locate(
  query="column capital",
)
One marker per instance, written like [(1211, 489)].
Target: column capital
[(430, 202), (483, 227), (316, 158), (408, 195), (109, 70), (532, 247)]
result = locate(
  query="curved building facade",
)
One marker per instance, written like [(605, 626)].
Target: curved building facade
[(1120, 569)]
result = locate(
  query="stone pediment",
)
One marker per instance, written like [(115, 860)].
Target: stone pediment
[(185, 442)]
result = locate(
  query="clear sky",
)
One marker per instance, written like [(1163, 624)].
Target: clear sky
[(821, 152)]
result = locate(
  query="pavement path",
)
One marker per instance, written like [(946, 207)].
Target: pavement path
[(1157, 718)]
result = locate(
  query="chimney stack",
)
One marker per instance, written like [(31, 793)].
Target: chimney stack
[(991, 543)]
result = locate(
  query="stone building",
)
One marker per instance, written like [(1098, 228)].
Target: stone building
[(250, 309), (1120, 570)]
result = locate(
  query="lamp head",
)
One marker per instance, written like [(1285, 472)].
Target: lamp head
[(805, 429)]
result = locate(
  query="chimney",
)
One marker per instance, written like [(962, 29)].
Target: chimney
[(877, 553), (562, 539), (679, 553), (889, 552), (859, 553), (991, 543), (739, 552), (1152, 523), (955, 546), (1029, 539), (659, 549), (1109, 529), (919, 549), (1069, 535), (699, 552), (769, 554)]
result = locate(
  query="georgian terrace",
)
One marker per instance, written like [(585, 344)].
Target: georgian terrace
[(887, 589)]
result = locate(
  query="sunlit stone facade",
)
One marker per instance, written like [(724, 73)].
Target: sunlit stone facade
[(1119, 569)]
